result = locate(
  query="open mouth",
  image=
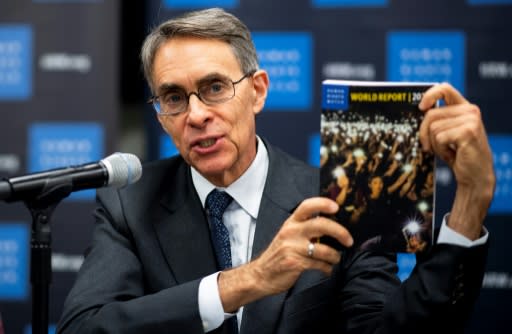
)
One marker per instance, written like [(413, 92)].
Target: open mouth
[(206, 143)]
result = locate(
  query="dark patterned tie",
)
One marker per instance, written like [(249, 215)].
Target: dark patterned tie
[(216, 204)]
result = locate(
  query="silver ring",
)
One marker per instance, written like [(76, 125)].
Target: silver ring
[(311, 249)]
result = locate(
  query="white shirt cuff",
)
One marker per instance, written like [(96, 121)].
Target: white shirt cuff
[(449, 236), (210, 305)]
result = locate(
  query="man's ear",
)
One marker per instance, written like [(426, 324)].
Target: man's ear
[(261, 82)]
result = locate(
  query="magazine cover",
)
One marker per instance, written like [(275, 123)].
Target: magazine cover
[(372, 164)]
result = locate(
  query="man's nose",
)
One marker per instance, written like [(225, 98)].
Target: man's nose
[(198, 113)]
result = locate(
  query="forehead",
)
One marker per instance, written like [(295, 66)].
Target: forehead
[(184, 59)]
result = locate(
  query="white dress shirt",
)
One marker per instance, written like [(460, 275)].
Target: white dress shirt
[(240, 220)]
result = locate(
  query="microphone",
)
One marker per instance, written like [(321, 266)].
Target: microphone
[(117, 170)]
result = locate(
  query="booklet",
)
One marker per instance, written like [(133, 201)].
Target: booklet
[(372, 164)]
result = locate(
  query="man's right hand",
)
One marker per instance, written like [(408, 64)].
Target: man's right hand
[(281, 264)]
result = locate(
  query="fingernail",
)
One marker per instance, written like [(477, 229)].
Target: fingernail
[(350, 242)]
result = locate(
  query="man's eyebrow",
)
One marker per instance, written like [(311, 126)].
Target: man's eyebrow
[(211, 76), (168, 87), (165, 87)]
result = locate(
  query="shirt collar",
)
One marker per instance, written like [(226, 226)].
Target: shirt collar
[(254, 179)]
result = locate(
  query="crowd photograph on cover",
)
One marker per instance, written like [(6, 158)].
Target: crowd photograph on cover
[(373, 166)]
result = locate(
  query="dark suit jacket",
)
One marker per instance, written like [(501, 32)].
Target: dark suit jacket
[(151, 247)]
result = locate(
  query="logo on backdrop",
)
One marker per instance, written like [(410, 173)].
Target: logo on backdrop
[(14, 245), (15, 62), (427, 57), (495, 70), (55, 145), (497, 280), (9, 164), (167, 147), (200, 3), (349, 71), (62, 262), (287, 57), (65, 62), (502, 156), (351, 3), (489, 2)]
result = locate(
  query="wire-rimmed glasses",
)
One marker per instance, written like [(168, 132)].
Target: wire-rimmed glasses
[(214, 90)]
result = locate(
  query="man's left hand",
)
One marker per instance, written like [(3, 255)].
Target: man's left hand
[(455, 132)]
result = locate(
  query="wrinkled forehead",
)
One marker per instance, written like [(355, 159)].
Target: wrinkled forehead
[(191, 58), (184, 60)]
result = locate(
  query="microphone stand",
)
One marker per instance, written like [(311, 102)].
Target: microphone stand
[(41, 208)]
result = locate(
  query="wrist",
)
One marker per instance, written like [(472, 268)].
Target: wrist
[(469, 210), (238, 287)]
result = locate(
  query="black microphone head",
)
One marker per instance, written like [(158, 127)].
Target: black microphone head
[(123, 169)]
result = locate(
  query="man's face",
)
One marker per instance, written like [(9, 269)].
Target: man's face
[(218, 140)]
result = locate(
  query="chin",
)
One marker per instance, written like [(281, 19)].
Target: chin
[(211, 168)]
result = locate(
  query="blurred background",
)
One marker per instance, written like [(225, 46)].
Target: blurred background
[(71, 92)]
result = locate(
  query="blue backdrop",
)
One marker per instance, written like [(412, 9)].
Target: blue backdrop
[(61, 75), (464, 42)]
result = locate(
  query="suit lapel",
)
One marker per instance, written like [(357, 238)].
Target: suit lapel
[(261, 316), (183, 230), (280, 198)]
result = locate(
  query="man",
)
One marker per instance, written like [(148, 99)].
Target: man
[(154, 267)]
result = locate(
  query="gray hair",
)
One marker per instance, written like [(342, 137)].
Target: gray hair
[(212, 23)]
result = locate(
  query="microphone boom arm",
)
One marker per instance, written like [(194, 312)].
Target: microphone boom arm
[(32, 185), (41, 207)]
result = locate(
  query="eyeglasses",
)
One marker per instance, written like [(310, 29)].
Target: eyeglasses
[(211, 91)]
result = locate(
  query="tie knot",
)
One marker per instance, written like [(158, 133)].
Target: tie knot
[(217, 202)]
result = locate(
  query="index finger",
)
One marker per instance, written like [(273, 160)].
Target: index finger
[(443, 91), (312, 206), (323, 226)]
